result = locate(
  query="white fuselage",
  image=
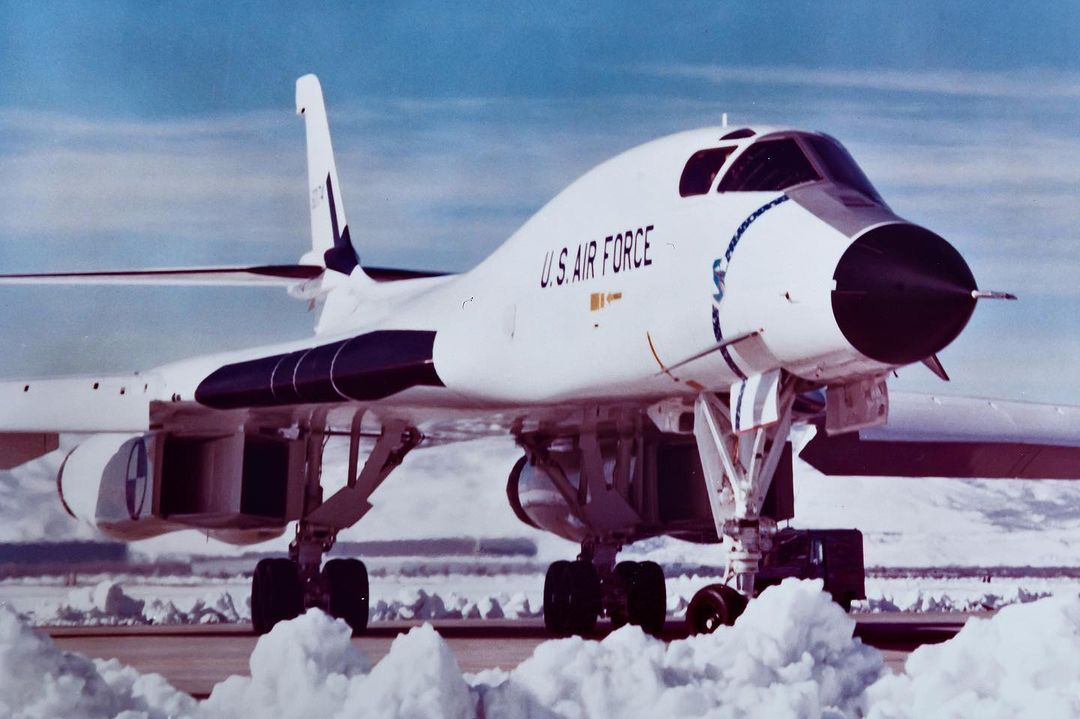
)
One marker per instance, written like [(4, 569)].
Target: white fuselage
[(566, 308)]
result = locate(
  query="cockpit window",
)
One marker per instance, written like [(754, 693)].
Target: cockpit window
[(768, 166), (841, 166), (701, 169)]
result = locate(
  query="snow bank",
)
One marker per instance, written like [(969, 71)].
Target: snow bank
[(790, 654), (1024, 662), (39, 680), (108, 603), (309, 667), (920, 600), (419, 604)]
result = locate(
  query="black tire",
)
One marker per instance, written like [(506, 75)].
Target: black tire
[(557, 598), (258, 601), (647, 598), (713, 606), (845, 603), (626, 576), (585, 603), (276, 593), (345, 583)]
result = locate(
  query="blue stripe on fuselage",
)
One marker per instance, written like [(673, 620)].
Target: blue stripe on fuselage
[(720, 274)]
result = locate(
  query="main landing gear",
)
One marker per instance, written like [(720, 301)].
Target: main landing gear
[(282, 589), (577, 593), (277, 594)]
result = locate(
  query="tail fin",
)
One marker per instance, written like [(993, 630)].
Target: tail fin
[(330, 241)]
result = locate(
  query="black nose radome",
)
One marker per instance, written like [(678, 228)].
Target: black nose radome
[(902, 293)]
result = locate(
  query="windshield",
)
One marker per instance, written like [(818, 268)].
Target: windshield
[(769, 165), (701, 169), (841, 166)]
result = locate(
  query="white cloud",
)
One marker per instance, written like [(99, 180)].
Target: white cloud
[(441, 183), (1034, 82)]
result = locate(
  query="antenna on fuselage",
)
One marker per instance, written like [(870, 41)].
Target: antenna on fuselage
[(723, 120)]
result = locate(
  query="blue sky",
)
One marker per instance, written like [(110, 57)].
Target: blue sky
[(155, 134)]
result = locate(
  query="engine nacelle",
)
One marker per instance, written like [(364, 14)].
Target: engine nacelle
[(240, 487), (650, 484), (538, 502), (107, 482)]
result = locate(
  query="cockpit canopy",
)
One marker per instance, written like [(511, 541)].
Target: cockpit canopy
[(773, 163)]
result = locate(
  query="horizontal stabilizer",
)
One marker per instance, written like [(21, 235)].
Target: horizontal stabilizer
[(267, 275)]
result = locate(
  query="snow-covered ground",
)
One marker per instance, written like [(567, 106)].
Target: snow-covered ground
[(791, 654), (195, 600)]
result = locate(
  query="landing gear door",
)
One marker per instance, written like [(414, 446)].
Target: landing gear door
[(755, 402)]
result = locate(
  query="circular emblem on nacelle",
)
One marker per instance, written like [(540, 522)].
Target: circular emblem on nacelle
[(136, 480)]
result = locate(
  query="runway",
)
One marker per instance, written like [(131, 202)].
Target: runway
[(196, 657)]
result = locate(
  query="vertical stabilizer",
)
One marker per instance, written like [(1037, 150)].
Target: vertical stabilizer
[(330, 241)]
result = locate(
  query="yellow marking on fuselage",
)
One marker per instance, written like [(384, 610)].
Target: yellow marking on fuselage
[(599, 300), (663, 368)]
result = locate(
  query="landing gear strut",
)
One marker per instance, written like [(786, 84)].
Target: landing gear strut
[(282, 589), (747, 458)]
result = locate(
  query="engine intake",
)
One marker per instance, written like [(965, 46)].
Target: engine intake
[(241, 487)]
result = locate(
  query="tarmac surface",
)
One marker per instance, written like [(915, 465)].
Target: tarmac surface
[(196, 657)]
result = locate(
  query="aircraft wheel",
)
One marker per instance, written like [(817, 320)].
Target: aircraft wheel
[(713, 606), (585, 596), (345, 583), (647, 600), (276, 593), (572, 597), (556, 598), (619, 612)]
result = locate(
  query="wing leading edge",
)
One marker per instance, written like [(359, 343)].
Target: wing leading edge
[(245, 276), (960, 437), (270, 275)]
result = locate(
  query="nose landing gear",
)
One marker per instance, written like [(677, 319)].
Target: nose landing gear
[(714, 606)]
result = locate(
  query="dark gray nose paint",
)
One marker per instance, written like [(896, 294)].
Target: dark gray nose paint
[(902, 293)]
